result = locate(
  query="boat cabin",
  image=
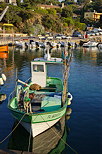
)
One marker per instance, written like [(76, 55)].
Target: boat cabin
[(41, 93), (38, 73)]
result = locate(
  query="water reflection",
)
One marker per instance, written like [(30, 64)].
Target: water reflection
[(51, 141), (88, 55), (85, 85)]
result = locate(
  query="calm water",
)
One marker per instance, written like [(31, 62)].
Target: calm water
[(84, 128)]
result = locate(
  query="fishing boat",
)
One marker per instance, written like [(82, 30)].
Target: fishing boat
[(2, 81), (41, 102), (3, 48), (100, 46), (90, 44)]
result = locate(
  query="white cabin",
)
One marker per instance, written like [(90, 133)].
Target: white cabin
[(38, 73)]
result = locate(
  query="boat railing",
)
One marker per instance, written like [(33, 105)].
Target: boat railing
[(12, 95)]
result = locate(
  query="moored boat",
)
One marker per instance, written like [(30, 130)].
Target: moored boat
[(90, 44), (3, 48), (40, 103), (100, 46)]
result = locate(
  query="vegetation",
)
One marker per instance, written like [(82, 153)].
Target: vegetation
[(29, 17)]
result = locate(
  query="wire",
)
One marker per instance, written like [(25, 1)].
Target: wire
[(12, 130), (60, 137)]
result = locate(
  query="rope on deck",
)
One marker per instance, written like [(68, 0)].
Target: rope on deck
[(61, 137), (13, 129)]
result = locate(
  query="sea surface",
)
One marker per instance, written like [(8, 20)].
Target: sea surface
[(81, 132)]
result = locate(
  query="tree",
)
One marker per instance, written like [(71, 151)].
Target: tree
[(67, 12), (98, 5), (69, 21), (48, 21), (51, 11), (28, 28), (38, 29)]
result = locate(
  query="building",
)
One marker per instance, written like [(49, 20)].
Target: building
[(92, 15), (51, 6)]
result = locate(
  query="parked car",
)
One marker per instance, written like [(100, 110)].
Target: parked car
[(77, 34)]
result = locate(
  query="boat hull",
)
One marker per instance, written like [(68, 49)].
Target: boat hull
[(37, 123), (37, 128), (3, 48)]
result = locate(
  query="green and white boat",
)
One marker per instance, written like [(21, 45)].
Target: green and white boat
[(2, 81), (39, 104)]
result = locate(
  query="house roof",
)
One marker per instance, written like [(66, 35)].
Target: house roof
[(49, 6)]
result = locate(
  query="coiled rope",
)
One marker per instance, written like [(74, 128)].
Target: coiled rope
[(13, 129), (60, 137)]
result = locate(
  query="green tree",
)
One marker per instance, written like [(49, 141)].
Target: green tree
[(98, 5), (52, 23), (67, 12), (28, 28), (69, 21), (25, 14), (48, 21), (38, 29), (51, 11), (41, 11)]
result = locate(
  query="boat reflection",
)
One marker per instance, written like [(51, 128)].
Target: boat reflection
[(51, 141), (90, 49), (3, 55)]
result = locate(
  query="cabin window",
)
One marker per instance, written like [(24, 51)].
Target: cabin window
[(38, 68)]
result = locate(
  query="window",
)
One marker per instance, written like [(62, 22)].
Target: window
[(38, 68)]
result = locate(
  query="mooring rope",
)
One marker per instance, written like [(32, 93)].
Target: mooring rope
[(61, 138), (12, 130)]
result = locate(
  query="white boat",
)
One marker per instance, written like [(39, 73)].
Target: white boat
[(20, 44), (100, 45), (90, 44), (53, 44)]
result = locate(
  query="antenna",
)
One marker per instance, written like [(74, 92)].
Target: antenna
[(3, 13)]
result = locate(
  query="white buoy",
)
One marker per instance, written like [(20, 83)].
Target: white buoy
[(69, 98), (3, 77), (1, 81)]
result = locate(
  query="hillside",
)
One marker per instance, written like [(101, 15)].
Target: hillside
[(37, 16)]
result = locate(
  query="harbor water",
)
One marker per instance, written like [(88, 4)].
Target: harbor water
[(83, 128)]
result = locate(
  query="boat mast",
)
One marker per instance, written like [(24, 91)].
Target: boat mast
[(67, 61)]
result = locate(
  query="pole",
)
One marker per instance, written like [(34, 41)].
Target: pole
[(67, 61)]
